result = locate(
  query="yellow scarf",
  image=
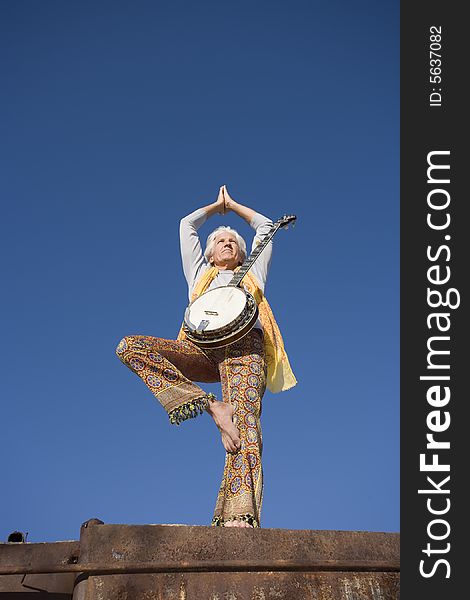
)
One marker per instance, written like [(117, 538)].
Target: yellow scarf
[(280, 375)]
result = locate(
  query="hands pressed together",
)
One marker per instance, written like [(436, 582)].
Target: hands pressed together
[(225, 203)]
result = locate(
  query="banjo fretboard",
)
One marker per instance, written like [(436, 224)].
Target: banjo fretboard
[(248, 262)]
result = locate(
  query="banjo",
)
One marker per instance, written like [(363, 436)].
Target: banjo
[(225, 314)]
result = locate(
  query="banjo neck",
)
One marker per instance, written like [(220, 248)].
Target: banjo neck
[(249, 261)]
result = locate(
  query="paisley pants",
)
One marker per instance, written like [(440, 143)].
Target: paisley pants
[(169, 369)]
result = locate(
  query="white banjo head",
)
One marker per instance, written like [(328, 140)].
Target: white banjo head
[(215, 309)]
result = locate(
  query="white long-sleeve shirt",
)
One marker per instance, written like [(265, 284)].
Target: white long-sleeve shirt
[(195, 264)]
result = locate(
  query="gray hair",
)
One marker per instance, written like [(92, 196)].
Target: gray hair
[(211, 239)]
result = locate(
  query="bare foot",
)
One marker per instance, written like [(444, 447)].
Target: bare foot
[(222, 413), (237, 523)]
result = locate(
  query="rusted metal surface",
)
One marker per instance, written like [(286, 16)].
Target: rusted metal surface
[(186, 562), (239, 564), (245, 586), (47, 585), (114, 544), (204, 566), (44, 584)]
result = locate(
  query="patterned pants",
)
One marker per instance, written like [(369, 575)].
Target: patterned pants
[(169, 369)]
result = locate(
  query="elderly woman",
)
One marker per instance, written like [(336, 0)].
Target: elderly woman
[(169, 368)]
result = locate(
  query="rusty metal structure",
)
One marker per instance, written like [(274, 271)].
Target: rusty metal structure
[(179, 562)]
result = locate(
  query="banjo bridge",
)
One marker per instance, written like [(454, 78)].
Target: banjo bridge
[(211, 312)]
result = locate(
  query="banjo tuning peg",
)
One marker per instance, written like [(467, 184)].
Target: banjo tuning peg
[(288, 219)]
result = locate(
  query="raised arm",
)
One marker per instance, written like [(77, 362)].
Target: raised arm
[(261, 225), (218, 206), (242, 211), (191, 250)]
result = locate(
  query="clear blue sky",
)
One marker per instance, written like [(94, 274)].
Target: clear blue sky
[(118, 118)]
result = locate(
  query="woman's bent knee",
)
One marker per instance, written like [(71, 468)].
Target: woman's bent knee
[(123, 345)]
